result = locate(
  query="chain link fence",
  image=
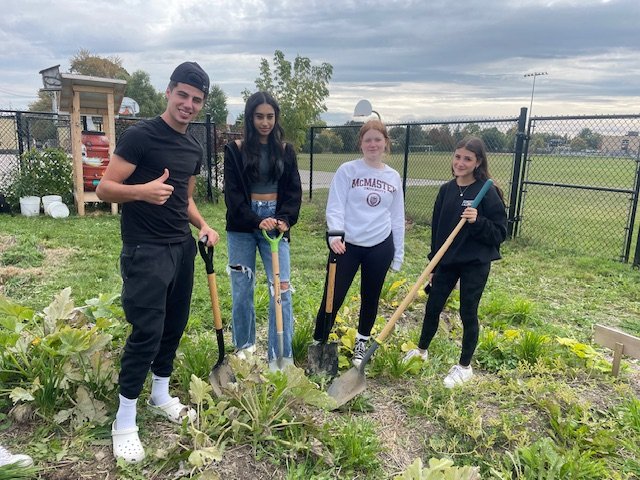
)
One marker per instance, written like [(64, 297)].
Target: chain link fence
[(579, 184), (420, 152), (22, 131), (568, 182)]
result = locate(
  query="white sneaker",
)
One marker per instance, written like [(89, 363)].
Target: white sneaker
[(245, 353), (415, 353), (359, 350), (458, 375), (6, 458)]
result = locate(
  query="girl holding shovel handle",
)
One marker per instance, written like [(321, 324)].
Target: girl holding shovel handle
[(469, 257), (365, 202), (262, 191)]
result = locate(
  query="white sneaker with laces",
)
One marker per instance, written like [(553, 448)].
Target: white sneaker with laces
[(458, 375), (6, 458), (359, 350), (415, 353)]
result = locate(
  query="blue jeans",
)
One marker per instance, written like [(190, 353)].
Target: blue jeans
[(242, 266)]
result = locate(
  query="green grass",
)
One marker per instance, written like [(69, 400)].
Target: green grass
[(528, 388)]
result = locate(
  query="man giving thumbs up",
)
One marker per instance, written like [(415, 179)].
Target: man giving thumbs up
[(152, 174)]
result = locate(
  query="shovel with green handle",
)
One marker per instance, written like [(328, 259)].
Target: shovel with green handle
[(277, 297), (354, 382)]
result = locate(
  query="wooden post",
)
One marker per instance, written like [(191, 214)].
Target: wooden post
[(618, 341), (76, 149)]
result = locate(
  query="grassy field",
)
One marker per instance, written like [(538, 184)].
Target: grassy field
[(542, 405)]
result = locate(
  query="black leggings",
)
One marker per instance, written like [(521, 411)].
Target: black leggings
[(374, 262), (473, 279)]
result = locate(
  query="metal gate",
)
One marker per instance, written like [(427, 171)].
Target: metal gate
[(579, 184)]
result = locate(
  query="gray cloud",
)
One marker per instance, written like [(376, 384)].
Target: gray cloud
[(412, 59)]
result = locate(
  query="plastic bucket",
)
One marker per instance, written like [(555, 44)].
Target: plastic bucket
[(30, 206), (48, 200), (58, 210)]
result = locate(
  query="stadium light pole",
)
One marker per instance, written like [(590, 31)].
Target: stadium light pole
[(364, 109), (533, 88)]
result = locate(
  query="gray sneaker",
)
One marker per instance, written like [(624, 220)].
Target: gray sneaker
[(358, 352)]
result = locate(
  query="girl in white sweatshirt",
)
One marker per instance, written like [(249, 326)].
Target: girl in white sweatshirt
[(366, 201)]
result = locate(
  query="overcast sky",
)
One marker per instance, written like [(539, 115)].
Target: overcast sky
[(412, 59)]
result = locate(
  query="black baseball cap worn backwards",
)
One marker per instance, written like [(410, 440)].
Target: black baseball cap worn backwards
[(192, 74)]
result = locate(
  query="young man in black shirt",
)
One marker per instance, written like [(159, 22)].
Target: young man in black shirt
[(152, 174)]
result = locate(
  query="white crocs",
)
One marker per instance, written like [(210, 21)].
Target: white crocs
[(173, 410), (126, 444)]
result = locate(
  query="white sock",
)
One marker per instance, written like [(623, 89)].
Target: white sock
[(362, 337), (126, 416), (159, 390)]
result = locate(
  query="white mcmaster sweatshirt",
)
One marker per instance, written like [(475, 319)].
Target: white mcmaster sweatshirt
[(367, 203)]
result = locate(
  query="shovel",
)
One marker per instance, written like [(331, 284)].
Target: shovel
[(354, 382), (221, 373), (277, 297), (323, 357)]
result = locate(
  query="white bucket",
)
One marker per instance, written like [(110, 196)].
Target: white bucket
[(48, 200), (58, 210), (30, 206)]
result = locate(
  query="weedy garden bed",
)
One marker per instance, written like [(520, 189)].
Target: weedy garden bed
[(542, 404)]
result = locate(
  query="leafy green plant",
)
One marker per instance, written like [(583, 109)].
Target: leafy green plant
[(42, 172), (544, 459), (264, 409), (531, 346), (355, 444), (585, 353), (56, 361), (438, 469), (505, 310)]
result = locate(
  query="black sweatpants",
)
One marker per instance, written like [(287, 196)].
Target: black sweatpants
[(374, 262), (473, 279), (156, 297)]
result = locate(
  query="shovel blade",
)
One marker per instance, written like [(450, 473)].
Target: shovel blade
[(323, 359), (314, 358), (347, 386), (221, 375)]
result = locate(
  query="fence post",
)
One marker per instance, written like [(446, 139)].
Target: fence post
[(207, 124), (512, 219), (19, 134), (636, 257), (407, 139), (312, 135)]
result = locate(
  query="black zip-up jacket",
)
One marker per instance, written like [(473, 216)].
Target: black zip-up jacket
[(477, 242), (237, 195)]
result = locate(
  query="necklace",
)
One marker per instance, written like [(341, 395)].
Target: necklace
[(465, 189)]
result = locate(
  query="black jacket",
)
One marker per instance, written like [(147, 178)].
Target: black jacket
[(237, 195), (477, 242)]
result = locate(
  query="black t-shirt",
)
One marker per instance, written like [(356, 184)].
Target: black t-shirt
[(152, 146)]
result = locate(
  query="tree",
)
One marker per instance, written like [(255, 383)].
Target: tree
[(493, 139), (43, 104), (591, 139), (327, 141), (300, 89), (86, 63), (216, 106), (139, 88)]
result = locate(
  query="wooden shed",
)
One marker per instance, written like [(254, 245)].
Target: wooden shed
[(95, 96)]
